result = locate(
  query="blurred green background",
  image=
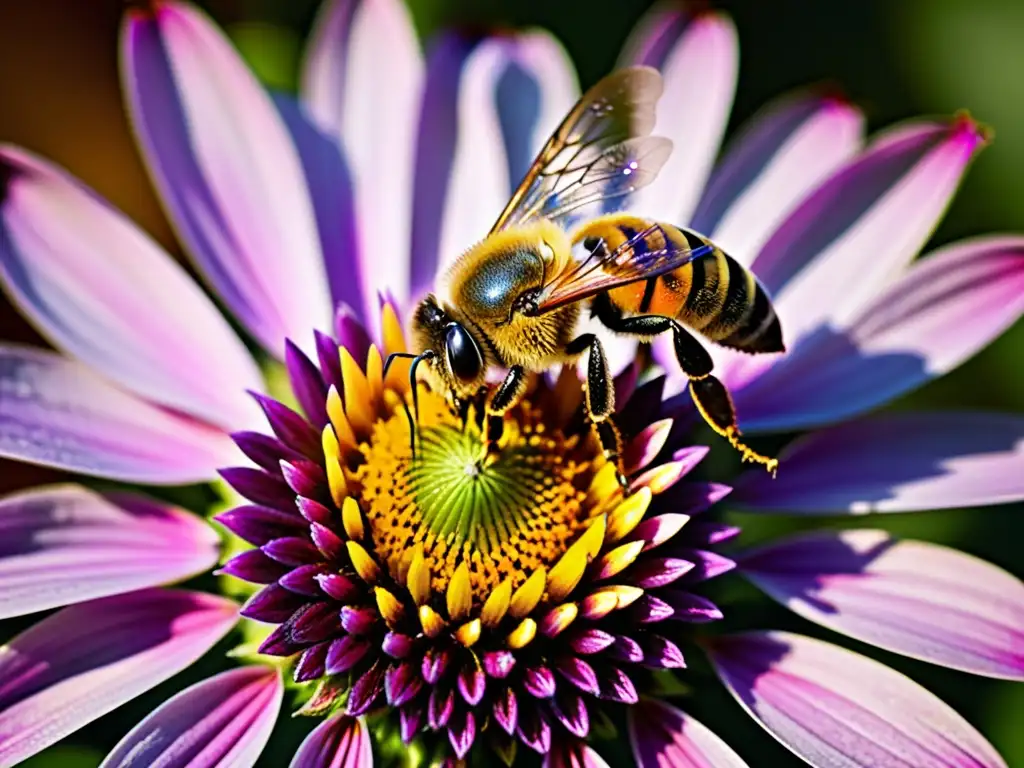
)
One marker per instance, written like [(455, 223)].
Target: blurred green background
[(59, 95)]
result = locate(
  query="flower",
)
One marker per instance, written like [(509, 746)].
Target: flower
[(508, 596), (151, 380)]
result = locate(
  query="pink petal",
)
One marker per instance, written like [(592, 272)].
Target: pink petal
[(860, 228), (58, 413), (225, 166), (100, 289), (222, 721), (899, 462), (700, 80), (918, 599), (664, 736), (362, 82), (573, 754), (338, 742), (834, 707), (489, 114), (91, 658), (67, 544), (783, 153), (942, 311)]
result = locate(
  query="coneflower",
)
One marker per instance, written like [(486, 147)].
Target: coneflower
[(525, 604)]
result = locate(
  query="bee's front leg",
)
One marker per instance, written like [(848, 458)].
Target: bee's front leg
[(504, 398)]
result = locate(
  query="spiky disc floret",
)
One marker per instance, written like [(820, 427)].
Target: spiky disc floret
[(506, 594)]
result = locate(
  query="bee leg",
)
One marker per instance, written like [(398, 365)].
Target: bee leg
[(504, 398), (709, 394), (600, 399)]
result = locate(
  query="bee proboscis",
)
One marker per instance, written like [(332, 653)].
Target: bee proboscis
[(513, 300)]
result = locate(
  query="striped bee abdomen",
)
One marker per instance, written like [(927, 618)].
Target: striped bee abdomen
[(713, 294)]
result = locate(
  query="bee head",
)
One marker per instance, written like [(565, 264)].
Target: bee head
[(460, 362)]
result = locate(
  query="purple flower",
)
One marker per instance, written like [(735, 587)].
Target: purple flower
[(522, 602)]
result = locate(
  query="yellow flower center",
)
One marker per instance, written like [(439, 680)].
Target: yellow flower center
[(505, 515)]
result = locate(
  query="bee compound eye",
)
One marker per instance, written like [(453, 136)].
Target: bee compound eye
[(464, 358)]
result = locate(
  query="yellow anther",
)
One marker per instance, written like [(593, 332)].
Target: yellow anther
[(625, 517), (342, 428), (496, 605), (418, 578), (468, 633), (352, 519), (336, 480), (558, 619), (375, 375), (460, 593), (365, 565), (620, 558), (528, 595), (522, 635), (431, 621), (357, 394), (389, 606)]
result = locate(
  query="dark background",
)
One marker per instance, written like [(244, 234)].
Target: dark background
[(59, 96)]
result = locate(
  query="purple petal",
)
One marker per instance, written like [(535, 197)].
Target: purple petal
[(86, 660), (67, 544), (689, 607), (103, 292), (223, 161), (658, 571), (539, 682), (573, 754), (366, 689), (305, 580), (338, 742), (569, 709), (665, 736), (260, 487), (783, 153), (896, 463), (506, 710), (259, 525), (254, 566), (58, 413), (272, 604), (909, 597), (307, 384), (942, 311), (662, 653), (364, 59), (700, 79), (263, 450), (224, 720), (291, 428), (487, 110), (332, 193), (472, 684), (345, 653), (402, 683), (885, 203), (834, 707), (461, 733), (579, 673)]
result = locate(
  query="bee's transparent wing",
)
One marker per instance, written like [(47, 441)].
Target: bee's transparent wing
[(600, 154), (604, 270)]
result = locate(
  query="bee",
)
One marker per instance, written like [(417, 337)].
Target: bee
[(514, 300)]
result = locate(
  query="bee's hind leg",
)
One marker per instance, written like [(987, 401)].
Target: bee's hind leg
[(709, 394), (504, 398), (600, 399)]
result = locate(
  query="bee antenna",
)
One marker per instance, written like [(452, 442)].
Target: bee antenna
[(414, 417), (396, 356)]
